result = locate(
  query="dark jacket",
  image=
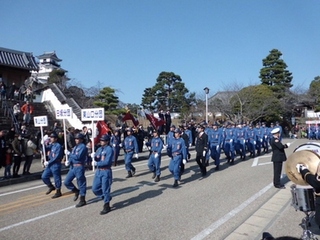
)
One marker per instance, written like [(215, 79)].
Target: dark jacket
[(278, 154), (201, 143)]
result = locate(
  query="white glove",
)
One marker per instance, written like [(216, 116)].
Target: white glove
[(113, 145), (288, 144), (300, 167), (120, 144), (184, 161), (66, 152), (93, 155), (261, 140), (67, 163), (190, 145), (254, 142), (217, 147), (136, 156), (156, 155), (149, 148), (231, 140), (204, 153), (94, 163), (46, 163)]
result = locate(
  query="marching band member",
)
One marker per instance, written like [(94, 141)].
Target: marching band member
[(278, 157), (314, 181)]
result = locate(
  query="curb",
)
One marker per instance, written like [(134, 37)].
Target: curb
[(254, 226)]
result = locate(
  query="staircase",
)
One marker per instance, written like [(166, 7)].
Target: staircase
[(6, 122), (66, 97)]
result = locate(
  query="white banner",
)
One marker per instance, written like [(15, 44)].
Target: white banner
[(40, 121), (92, 114), (64, 113)]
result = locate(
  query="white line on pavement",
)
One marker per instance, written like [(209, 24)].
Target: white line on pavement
[(255, 162), (87, 175), (231, 214), (68, 208)]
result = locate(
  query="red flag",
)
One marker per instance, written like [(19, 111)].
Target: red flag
[(129, 116), (102, 129), (156, 122)]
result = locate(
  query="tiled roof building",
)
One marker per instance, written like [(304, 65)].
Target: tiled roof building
[(16, 66)]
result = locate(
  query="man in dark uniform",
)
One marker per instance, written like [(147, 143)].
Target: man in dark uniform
[(168, 120), (314, 181), (201, 149), (278, 157)]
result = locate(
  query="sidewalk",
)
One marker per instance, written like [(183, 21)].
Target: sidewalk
[(36, 170)]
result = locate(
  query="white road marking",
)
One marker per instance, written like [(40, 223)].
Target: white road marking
[(87, 175), (260, 164), (255, 162), (71, 207), (231, 214)]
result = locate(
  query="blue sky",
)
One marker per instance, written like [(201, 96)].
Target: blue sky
[(125, 44)]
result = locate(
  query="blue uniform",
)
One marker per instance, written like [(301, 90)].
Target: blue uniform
[(228, 147), (177, 151), (265, 138), (190, 140), (240, 145), (102, 181), (215, 140), (154, 162), (54, 166), (115, 143), (259, 139), (77, 159), (170, 136), (130, 147), (251, 140)]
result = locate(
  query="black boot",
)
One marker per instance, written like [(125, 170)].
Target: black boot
[(106, 209), (157, 179), (153, 175), (57, 194), (76, 194), (82, 201), (133, 171), (175, 184), (51, 188), (129, 174)]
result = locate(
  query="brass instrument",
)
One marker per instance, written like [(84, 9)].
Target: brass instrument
[(306, 157)]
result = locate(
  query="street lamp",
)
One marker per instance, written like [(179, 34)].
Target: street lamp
[(206, 90)]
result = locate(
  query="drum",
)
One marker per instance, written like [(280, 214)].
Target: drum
[(311, 146), (303, 198)]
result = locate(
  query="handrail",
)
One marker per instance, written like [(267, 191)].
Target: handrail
[(8, 112)]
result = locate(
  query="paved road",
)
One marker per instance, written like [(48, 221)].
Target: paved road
[(237, 202)]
